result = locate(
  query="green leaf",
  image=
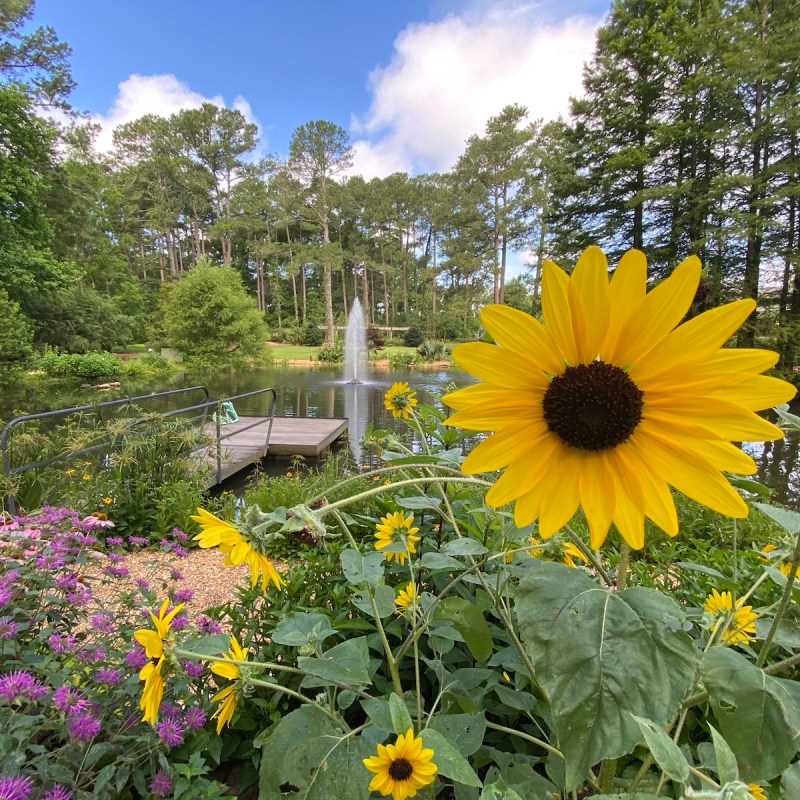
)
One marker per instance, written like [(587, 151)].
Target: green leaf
[(666, 753), (434, 561), (758, 717), (401, 719), (103, 778), (299, 628), (358, 568), (307, 751), (788, 520), (211, 645), (749, 485), (419, 502), (727, 768), (464, 731), (598, 654), (346, 663), (463, 547), (469, 622), (448, 760), (377, 709), (384, 601), (500, 790), (790, 781)]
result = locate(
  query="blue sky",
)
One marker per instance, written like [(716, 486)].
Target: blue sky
[(410, 80)]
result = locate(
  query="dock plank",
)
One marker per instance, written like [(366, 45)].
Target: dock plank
[(245, 442)]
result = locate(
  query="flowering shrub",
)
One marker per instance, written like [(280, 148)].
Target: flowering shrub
[(70, 722)]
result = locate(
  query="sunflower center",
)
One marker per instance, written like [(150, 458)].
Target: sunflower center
[(400, 769), (593, 406)]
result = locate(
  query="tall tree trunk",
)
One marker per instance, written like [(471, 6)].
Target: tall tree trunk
[(385, 300)]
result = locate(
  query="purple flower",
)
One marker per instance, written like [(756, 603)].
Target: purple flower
[(179, 551), (208, 625), (175, 574), (69, 701), (117, 572), (61, 642), (179, 534), (115, 558), (138, 540), (194, 717), (115, 541), (103, 623), (165, 543), (5, 595), (136, 658), (93, 523), (58, 792), (83, 727), (109, 676), (170, 731), (169, 710), (183, 595), (143, 584), (50, 561), (67, 580), (161, 785), (194, 669), (19, 685), (80, 597), (179, 622), (15, 788), (8, 628), (92, 654)]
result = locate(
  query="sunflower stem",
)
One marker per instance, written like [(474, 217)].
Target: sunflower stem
[(387, 649), (784, 602), (608, 771), (590, 554), (622, 565), (527, 737), (302, 698)]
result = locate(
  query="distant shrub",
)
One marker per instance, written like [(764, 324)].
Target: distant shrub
[(413, 337), (375, 338), (146, 364), (331, 354), (312, 335), (450, 327), (433, 351), (403, 359), (80, 366)]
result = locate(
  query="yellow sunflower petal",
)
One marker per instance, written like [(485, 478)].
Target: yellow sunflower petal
[(556, 310), (626, 291), (560, 495), (660, 311), (589, 302), (756, 393), (597, 496), (523, 334), (503, 447), (523, 472), (693, 342), (500, 366)]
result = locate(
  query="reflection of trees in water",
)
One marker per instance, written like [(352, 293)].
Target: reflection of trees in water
[(778, 469)]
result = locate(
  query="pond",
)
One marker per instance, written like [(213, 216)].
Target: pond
[(322, 392)]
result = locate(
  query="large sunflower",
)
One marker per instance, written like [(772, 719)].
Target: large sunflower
[(401, 768), (610, 401)]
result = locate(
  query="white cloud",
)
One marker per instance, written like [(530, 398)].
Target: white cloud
[(162, 95), (447, 78)]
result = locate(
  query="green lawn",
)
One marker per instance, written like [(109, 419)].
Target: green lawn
[(298, 352)]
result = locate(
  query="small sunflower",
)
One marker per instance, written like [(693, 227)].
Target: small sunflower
[(153, 690), (401, 768), (150, 673), (742, 626), (407, 596), (611, 401), (400, 399), (108, 501), (756, 792), (228, 696), (569, 552), (396, 529), (215, 532)]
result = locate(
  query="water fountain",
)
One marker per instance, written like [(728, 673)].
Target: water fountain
[(355, 345)]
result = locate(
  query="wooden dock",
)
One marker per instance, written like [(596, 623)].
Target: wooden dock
[(244, 442)]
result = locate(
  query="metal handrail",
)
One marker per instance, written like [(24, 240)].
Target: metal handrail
[(95, 408)]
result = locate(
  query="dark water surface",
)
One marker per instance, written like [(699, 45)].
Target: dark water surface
[(323, 392)]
